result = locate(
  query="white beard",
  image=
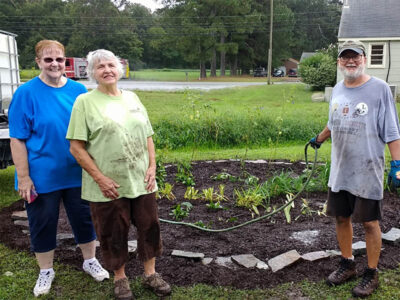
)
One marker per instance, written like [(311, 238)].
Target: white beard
[(352, 75)]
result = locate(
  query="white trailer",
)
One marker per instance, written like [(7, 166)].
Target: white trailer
[(9, 82)]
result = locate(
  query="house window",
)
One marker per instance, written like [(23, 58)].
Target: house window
[(376, 56)]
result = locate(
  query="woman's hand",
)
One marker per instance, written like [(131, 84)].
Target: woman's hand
[(25, 186), (150, 179), (108, 187)]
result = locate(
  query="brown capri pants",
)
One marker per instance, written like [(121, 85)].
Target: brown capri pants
[(345, 204), (112, 221)]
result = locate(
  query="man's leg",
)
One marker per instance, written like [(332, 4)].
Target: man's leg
[(344, 235), (373, 240), (347, 266), (369, 281)]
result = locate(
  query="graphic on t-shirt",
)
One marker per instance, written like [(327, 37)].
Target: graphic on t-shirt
[(345, 110), (361, 109)]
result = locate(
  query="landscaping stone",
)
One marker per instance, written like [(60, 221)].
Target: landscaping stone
[(281, 261), (359, 248), (318, 97), (307, 237), (262, 265), (8, 274), (19, 215), (188, 254), (246, 260), (333, 252), (21, 223), (220, 161), (132, 246), (207, 260), (258, 161), (316, 255), (225, 261), (393, 236)]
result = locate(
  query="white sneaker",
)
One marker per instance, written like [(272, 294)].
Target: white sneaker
[(95, 270), (43, 284)]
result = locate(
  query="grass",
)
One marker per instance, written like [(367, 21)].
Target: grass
[(252, 116)]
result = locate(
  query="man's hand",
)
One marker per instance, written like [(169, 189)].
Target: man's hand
[(394, 175), (313, 142)]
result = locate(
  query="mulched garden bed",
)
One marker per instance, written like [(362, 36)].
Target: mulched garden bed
[(265, 239)]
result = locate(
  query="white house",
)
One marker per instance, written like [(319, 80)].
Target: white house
[(377, 24)]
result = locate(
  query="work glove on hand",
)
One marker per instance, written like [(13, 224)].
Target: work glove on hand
[(313, 142), (393, 181)]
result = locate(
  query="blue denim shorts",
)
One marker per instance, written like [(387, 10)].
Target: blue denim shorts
[(43, 218)]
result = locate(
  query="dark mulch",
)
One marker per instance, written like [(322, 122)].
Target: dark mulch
[(264, 239)]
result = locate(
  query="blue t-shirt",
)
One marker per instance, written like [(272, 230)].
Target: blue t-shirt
[(39, 115)]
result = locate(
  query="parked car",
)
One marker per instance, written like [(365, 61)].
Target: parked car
[(260, 72), (292, 73), (278, 73)]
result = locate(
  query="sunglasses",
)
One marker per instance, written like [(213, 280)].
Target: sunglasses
[(49, 60)]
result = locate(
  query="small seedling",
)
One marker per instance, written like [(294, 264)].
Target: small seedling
[(214, 205), (181, 211), (166, 192), (191, 193)]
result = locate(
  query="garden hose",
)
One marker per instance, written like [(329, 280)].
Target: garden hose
[(259, 218)]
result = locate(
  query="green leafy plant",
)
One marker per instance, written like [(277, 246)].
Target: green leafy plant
[(288, 208), (318, 70), (208, 194), (184, 174), (224, 176), (250, 198), (214, 205), (165, 191), (307, 211), (181, 211), (191, 193)]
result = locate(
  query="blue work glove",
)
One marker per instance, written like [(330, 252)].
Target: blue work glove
[(393, 182), (313, 142)]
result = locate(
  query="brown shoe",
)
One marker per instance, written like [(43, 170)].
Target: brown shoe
[(368, 284), (346, 270), (122, 290), (155, 283)]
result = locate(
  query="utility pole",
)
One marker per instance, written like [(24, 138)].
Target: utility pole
[(270, 41)]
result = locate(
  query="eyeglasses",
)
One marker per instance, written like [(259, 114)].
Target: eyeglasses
[(49, 60), (356, 58)]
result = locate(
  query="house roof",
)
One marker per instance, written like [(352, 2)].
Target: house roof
[(370, 18), (306, 55)]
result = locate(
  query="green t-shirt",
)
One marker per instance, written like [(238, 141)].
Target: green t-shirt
[(115, 129)]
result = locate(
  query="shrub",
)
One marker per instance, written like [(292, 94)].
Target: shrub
[(318, 70)]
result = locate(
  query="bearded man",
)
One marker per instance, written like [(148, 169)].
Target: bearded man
[(362, 119)]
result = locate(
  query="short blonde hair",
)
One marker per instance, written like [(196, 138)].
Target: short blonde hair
[(47, 44), (96, 56)]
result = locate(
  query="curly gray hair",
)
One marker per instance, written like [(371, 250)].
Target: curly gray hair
[(96, 56)]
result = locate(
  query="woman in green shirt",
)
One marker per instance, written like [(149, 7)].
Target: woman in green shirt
[(111, 138)]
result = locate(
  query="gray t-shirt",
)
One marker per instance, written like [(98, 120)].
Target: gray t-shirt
[(361, 120)]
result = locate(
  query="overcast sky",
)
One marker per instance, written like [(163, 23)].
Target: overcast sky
[(152, 4)]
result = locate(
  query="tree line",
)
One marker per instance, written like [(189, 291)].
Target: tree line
[(206, 34)]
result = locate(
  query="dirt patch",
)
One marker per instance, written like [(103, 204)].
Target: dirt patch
[(264, 239)]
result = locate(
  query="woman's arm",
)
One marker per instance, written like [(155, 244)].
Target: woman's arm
[(150, 178), (107, 186), (20, 158)]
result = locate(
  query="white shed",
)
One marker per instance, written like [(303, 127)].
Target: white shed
[(377, 25)]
